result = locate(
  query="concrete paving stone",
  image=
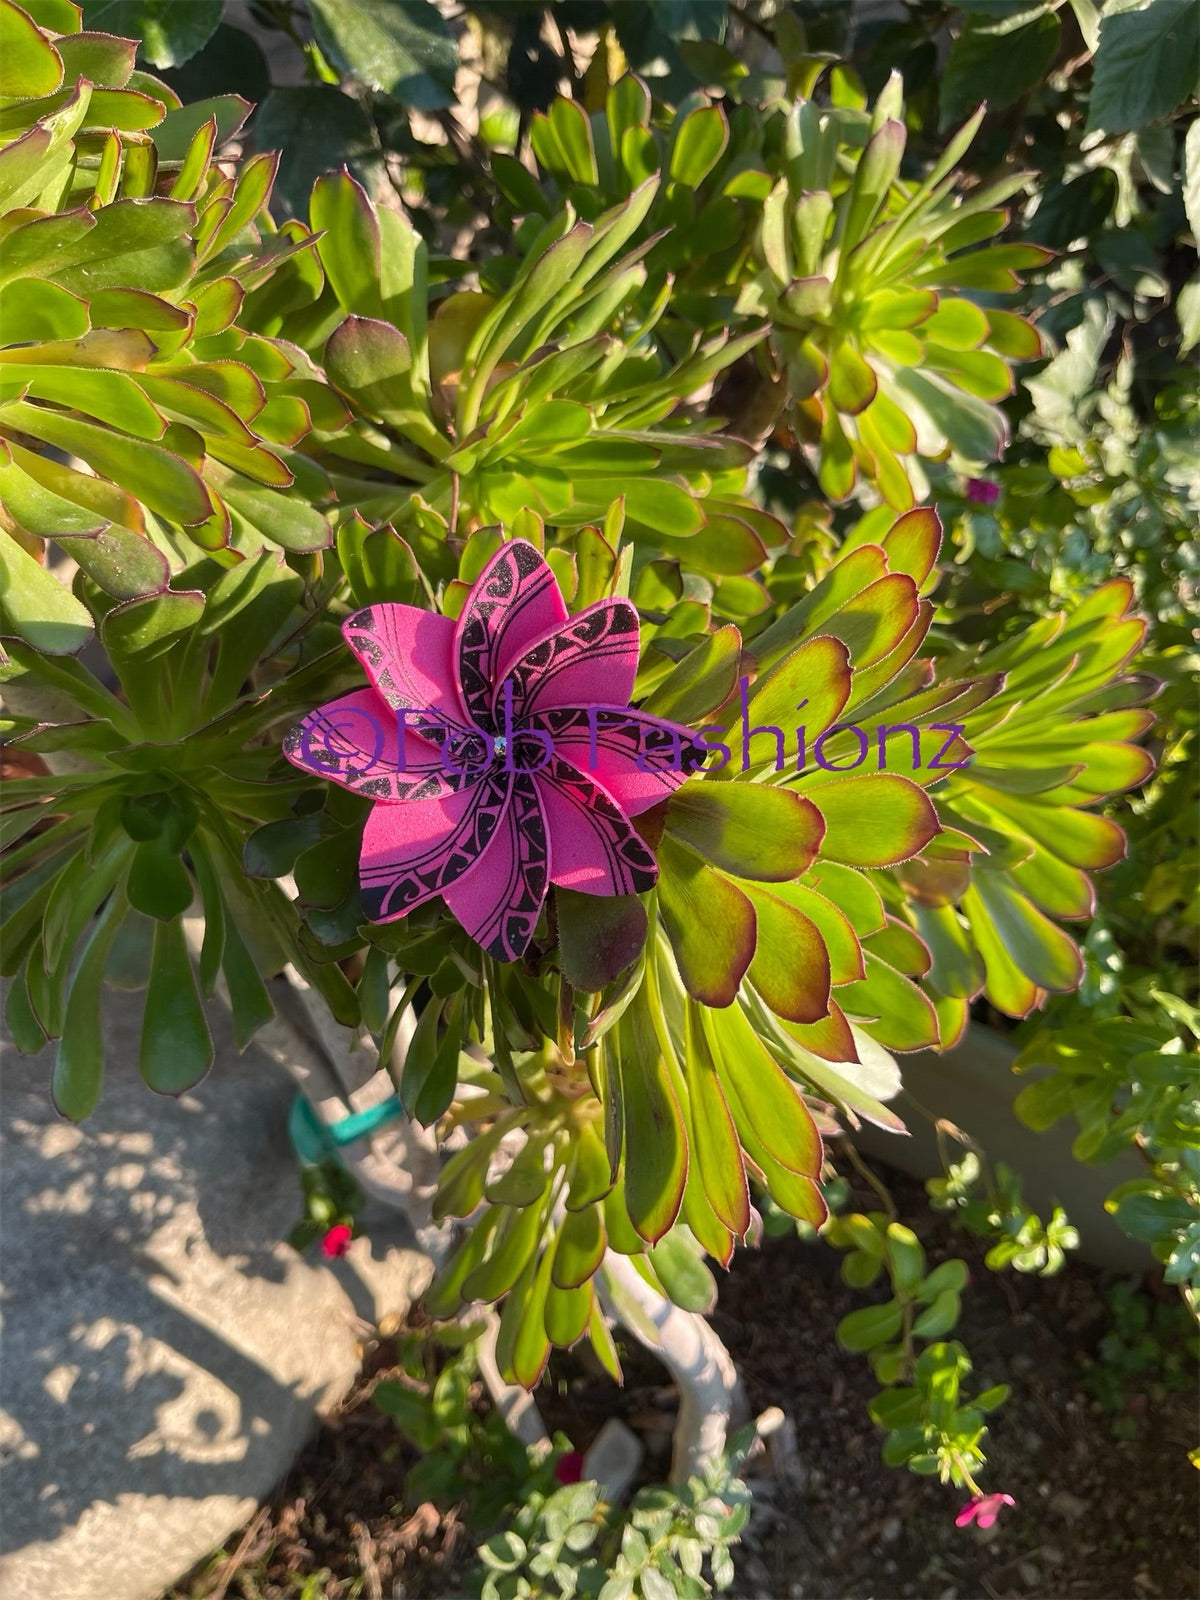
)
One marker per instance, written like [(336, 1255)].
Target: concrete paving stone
[(164, 1353)]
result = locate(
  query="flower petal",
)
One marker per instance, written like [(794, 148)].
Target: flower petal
[(596, 851), (513, 602), (414, 851), (637, 759), (591, 659), (499, 899), (355, 742), (408, 654)]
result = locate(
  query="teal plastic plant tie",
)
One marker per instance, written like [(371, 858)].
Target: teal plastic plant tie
[(315, 1141)]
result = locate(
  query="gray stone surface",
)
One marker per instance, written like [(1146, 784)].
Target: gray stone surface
[(164, 1355)]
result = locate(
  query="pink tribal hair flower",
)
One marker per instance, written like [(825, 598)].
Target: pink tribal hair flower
[(983, 1510), (501, 751)]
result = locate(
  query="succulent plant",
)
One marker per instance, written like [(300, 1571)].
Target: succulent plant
[(884, 330), (666, 1058), (539, 392), (127, 251), (711, 180), (874, 836), (169, 772), (886, 344)]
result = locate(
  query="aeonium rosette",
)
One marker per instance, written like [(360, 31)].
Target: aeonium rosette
[(501, 751)]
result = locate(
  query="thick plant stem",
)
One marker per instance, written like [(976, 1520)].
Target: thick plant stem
[(398, 1166), (710, 1392)]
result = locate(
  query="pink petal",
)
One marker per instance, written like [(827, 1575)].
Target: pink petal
[(337, 1241), (968, 1514), (591, 659), (595, 849), (989, 1508), (638, 760), (499, 899), (355, 742), (408, 654), (513, 602), (414, 851)]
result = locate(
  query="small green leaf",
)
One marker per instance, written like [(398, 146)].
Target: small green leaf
[(986, 63), (906, 1259), (655, 1141), (350, 248), (176, 1050), (23, 1026), (700, 141), (703, 680), (30, 67), (869, 1327), (682, 1273), (874, 820), (939, 1318), (579, 1248), (159, 885), (598, 937), (249, 1002)]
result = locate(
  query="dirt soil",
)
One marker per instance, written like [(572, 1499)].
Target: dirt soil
[(1097, 1517)]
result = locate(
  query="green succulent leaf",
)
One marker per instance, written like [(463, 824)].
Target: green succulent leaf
[(872, 820), (176, 1050), (36, 606), (751, 831), (710, 923)]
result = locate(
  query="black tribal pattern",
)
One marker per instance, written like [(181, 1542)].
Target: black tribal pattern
[(621, 846), (392, 887), (607, 630), (657, 748), (322, 743), (507, 929), (518, 583)]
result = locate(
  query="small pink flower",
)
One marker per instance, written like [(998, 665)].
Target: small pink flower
[(500, 751), (337, 1241), (569, 1467), (983, 1510), (982, 491)]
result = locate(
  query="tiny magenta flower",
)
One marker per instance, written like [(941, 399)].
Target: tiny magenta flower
[(983, 1510), (569, 1467), (982, 491), (500, 751), (337, 1241)]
